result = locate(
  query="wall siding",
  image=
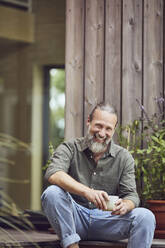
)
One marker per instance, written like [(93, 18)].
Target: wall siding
[(113, 53), (153, 52), (74, 67), (122, 57), (94, 55), (131, 59)]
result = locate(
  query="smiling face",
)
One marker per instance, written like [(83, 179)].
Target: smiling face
[(100, 130)]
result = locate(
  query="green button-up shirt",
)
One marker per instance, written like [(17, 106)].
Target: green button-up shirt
[(113, 173)]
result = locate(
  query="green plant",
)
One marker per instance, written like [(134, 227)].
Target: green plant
[(11, 217), (153, 166), (129, 136), (145, 139), (51, 150)]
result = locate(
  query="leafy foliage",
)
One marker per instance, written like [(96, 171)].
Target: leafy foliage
[(153, 166), (57, 101), (11, 217), (145, 139), (59, 80), (51, 150)]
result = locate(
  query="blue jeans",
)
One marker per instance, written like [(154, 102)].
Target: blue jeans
[(73, 222)]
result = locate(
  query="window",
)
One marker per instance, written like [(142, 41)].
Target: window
[(53, 109), (56, 106)]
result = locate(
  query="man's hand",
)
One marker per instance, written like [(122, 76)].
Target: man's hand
[(123, 207), (98, 197), (63, 180)]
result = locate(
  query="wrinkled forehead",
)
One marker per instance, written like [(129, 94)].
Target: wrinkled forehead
[(104, 116)]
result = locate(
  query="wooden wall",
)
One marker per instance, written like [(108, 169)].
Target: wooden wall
[(115, 52)]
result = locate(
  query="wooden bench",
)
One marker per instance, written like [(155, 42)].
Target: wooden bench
[(44, 239)]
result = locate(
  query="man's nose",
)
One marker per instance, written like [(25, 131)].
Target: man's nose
[(102, 133)]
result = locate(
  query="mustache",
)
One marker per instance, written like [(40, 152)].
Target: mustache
[(96, 135), (95, 146), (91, 139)]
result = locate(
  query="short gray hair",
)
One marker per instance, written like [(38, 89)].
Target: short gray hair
[(105, 107)]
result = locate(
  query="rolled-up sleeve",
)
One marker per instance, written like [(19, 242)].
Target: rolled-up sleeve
[(60, 160), (127, 180)]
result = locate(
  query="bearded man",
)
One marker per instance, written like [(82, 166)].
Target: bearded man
[(83, 173)]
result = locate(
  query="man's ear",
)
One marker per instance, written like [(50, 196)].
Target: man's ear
[(88, 121)]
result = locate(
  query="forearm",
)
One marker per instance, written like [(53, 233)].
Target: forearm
[(69, 184), (129, 204), (63, 180)]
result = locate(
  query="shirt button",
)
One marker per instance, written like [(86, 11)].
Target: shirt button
[(90, 203), (94, 173)]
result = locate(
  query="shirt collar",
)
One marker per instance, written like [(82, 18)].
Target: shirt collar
[(112, 149), (82, 146)]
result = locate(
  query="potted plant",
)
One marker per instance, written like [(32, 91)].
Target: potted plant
[(147, 146)]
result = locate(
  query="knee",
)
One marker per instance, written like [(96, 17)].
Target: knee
[(146, 217), (51, 193)]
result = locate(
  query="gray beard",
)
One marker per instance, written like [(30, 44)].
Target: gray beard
[(94, 146)]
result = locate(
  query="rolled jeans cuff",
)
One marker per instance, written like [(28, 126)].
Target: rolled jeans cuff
[(71, 239)]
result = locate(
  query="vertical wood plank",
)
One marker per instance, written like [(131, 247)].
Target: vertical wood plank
[(132, 60), (94, 54), (164, 52), (113, 54), (74, 67), (153, 53)]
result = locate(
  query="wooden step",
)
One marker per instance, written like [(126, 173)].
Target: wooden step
[(44, 239)]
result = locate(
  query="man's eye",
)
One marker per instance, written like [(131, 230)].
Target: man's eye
[(98, 125)]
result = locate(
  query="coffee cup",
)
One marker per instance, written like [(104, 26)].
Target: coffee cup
[(111, 203)]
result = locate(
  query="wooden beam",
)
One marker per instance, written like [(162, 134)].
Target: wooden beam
[(74, 68), (16, 25), (113, 54), (132, 60), (94, 55), (153, 53)]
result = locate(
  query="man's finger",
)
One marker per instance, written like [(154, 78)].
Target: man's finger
[(99, 200), (103, 201), (105, 195)]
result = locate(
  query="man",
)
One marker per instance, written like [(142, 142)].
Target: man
[(83, 172)]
